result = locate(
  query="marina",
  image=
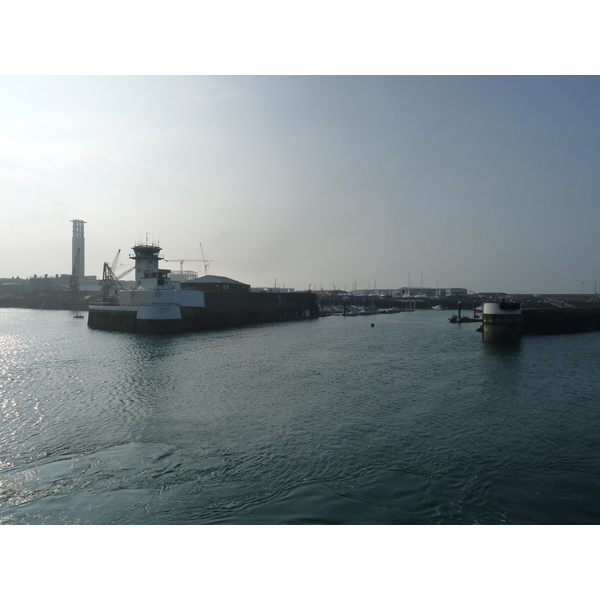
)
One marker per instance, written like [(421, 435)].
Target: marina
[(451, 218)]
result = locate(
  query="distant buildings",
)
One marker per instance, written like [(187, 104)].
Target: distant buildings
[(44, 292), (409, 292), (430, 292)]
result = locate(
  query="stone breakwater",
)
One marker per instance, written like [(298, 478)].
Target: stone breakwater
[(548, 321)]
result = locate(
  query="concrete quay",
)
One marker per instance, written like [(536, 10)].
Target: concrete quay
[(552, 321)]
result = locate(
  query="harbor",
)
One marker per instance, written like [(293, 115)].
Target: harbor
[(300, 300), (156, 300), (322, 421)]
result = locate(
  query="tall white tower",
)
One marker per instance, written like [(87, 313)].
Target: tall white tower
[(78, 250)]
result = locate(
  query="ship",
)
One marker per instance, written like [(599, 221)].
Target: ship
[(463, 319), (156, 304)]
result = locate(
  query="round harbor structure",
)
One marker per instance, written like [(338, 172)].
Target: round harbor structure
[(502, 322)]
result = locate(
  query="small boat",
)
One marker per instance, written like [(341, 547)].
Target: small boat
[(78, 316), (457, 319)]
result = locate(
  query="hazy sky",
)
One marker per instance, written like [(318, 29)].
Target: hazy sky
[(488, 183)]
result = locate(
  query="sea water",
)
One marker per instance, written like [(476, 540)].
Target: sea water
[(387, 419)]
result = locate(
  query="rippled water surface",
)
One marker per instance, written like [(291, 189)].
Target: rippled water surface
[(413, 420)]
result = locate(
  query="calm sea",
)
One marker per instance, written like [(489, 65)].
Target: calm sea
[(410, 421)]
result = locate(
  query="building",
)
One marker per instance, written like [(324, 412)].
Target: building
[(426, 291), (215, 283), (78, 250)]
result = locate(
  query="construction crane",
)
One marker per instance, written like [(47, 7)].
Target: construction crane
[(184, 260), (204, 259), (181, 261)]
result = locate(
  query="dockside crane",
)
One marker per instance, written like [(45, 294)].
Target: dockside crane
[(110, 279), (115, 261)]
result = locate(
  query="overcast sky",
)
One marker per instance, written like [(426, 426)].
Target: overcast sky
[(488, 183)]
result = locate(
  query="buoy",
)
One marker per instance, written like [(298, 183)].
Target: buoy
[(372, 324)]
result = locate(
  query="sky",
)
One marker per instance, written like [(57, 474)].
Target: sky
[(448, 144), (490, 183)]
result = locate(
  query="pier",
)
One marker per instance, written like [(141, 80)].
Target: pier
[(551, 321)]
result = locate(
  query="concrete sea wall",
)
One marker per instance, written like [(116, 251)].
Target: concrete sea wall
[(221, 309), (548, 321), (244, 308)]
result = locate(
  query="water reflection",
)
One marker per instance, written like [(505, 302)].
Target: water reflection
[(502, 371), (503, 351)]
